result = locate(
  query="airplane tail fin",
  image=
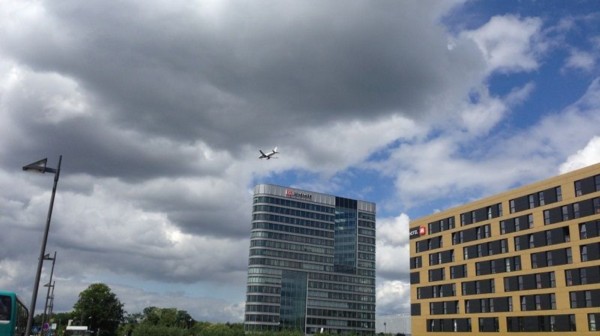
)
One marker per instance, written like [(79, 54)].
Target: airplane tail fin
[(275, 149)]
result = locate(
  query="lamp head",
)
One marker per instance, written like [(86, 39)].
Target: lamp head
[(38, 166)]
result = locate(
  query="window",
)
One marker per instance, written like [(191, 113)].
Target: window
[(520, 279), (573, 299), (588, 299), (416, 262), (584, 252), (596, 205), (565, 212), (531, 241), (546, 217), (512, 205), (541, 198), (549, 258), (576, 213), (558, 191), (433, 259), (583, 230), (457, 237), (569, 277), (578, 188), (516, 263), (459, 271), (431, 228), (502, 227), (531, 201), (592, 323)]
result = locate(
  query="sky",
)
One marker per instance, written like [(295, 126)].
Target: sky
[(159, 108)]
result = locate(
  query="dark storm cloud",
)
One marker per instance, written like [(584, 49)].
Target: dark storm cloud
[(190, 72)]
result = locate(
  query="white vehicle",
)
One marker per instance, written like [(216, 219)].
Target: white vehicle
[(267, 155), (77, 331)]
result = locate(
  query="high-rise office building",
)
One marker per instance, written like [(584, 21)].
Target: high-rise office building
[(312, 263), (526, 260)]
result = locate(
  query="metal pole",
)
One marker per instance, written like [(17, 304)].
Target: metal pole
[(48, 285), (38, 273), (51, 304)]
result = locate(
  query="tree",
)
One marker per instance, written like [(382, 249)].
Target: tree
[(99, 309)]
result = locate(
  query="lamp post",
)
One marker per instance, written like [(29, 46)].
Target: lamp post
[(49, 306), (40, 167), (49, 285)]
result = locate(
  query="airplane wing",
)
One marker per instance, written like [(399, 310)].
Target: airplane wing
[(262, 153)]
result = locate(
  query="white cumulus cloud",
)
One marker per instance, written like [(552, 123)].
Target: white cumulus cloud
[(584, 157)]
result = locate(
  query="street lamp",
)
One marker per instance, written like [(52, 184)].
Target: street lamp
[(49, 285), (40, 167)]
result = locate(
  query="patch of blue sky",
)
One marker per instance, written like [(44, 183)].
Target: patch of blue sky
[(366, 184), (383, 154), (475, 13), (447, 200)]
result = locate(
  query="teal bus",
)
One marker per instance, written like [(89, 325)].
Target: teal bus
[(13, 315)]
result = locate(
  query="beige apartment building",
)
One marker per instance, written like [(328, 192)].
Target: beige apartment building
[(526, 260)]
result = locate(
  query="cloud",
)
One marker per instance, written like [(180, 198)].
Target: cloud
[(393, 248), (231, 69), (393, 297), (510, 43), (580, 60), (587, 156), (450, 162)]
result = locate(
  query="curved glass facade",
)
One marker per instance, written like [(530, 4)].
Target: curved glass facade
[(311, 264)]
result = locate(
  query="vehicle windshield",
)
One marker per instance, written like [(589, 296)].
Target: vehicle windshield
[(5, 304)]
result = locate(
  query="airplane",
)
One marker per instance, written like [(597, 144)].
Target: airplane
[(267, 155)]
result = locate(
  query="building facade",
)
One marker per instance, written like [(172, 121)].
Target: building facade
[(312, 263), (527, 260)]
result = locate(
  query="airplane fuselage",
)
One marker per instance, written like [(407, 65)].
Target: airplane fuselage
[(267, 156)]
